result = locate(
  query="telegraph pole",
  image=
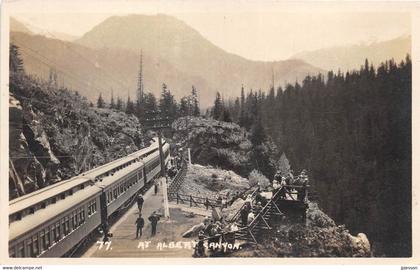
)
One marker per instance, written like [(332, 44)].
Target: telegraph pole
[(162, 157), (157, 123)]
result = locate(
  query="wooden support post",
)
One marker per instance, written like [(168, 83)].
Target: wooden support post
[(255, 240), (207, 203), (177, 198), (191, 201)]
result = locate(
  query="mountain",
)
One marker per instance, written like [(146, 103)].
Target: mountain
[(350, 57), (61, 36), (107, 57), (17, 26)]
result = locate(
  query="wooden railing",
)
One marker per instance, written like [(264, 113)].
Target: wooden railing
[(235, 217), (261, 220), (193, 200), (176, 183)]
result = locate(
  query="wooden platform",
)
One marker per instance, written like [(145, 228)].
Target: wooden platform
[(168, 241)]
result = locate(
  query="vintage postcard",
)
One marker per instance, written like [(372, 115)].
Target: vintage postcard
[(197, 131)]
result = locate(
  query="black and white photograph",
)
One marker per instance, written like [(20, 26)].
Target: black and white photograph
[(200, 130)]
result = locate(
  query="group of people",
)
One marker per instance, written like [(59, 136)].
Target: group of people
[(212, 230), (153, 218), (284, 183), (291, 183)]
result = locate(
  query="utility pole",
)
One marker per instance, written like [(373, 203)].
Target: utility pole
[(162, 157), (157, 123)]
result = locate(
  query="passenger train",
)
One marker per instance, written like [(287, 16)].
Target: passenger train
[(51, 221)]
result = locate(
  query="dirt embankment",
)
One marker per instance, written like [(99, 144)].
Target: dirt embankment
[(210, 182)]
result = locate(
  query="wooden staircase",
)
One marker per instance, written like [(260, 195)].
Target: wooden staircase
[(282, 203)]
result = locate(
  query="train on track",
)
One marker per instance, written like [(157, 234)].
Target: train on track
[(53, 220)]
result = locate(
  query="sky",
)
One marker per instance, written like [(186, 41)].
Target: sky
[(255, 32)]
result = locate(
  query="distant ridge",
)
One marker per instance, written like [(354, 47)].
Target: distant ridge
[(352, 57), (107, 58)]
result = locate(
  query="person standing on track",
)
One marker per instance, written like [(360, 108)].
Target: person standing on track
[(140, 225)]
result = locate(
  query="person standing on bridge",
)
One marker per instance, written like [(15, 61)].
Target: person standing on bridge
[(140, 225), (140, 202), (244, 213)]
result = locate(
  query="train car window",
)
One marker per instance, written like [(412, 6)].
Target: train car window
[(57, 232), (42, 241), (31, 210), (79, 221), (74, 220), (63, 196), (12, 252), (67, 226), (47, 239), (54, 200), (94, 206), (18, 215), (71, 192), (30, 248), (43, 205), (21, 250), (82, 186), (35, 250), (115, 193), (91, 207), (82, 216), (63, 227)]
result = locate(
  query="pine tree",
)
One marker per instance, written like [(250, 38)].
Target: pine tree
[(218, 107), (150, 104), (167, 103), (196, 106), (100, 103), (242, 112), (112, 103), (283, 165), (184, 107), (129, 109), (15, 60), (119, 104)]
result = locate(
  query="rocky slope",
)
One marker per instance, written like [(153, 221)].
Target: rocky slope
[(54, 135), (209, 182), (216, 143), (319, 237)]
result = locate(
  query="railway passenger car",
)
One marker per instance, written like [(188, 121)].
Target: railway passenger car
[(52, 221)]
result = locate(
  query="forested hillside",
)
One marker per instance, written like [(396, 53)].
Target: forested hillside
[(54, 133), (353, 132)]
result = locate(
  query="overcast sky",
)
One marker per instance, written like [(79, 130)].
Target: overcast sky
[(269, 33)]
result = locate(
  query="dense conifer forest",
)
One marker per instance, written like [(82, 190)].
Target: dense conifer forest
[(353, 132)]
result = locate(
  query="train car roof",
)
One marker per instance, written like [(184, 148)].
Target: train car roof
[(104, 168), (41, 216), (108, 180), (32, 198)]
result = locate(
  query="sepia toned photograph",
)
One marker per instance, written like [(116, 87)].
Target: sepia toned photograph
[(190, 130)]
